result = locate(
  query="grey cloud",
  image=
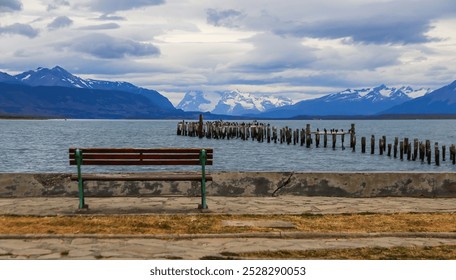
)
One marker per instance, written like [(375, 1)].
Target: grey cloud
[(10, 6), (57, 4), (110, 17), (109, 6), (19, 29), (104, 26), (391, 22), (60, 22), (366, 31), (104, 46), (273, 53), (223, 18)]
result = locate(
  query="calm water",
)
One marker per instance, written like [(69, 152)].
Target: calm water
[(42, 145)]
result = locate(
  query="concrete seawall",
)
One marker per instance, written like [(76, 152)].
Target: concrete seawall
[(341, 184)]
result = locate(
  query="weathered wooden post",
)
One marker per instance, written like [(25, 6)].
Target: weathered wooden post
[(317, 138), (325, 138), (363, 145), (409, 151), (289, 133), (443, 152), (334, 139), (179, 128), (428, 146), (453, 153), (200, 126), (380, 145), (384, 143), (401, 150), (354, 143), (437, 154), (406, 142), (389, 149), (422, 151), (429, 156), (415, 148), (352, 137), (269, 133), (342, 139), (396, 143), (308, 136), (372, 144)]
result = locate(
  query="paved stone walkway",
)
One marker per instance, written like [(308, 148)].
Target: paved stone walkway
[(209, 246)]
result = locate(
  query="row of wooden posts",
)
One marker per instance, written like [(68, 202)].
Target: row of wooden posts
[(417, 151), (261, 132)]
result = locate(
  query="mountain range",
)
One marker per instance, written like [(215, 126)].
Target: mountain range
[(368, 101), (234, 103), (57, 93)]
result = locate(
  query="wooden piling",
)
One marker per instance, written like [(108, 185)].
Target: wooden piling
[(422, 151), (372, 144), (443, 152), (389, 149), (200, 126), (325, 139), (409, 151), (352, 137), (396, 143), (308, 136), (401, 150), (342, 139), (406, 142), (415, 148), (453, 153), (363, 145), (437, 154), (428, 156)]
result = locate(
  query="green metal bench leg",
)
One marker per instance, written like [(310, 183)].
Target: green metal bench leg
[(82, 205), (203, 157)]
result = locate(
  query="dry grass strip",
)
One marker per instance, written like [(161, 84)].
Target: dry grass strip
[(444, 252), (210, 224)]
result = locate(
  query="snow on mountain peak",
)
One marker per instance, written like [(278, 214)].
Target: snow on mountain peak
[(230, 102)]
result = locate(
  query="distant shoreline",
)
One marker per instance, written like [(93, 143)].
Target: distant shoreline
[(342, 117)]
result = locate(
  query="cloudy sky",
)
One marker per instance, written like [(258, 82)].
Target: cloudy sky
[(296, 48)]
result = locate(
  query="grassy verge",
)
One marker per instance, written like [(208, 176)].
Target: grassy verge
[(207, 224), (446, 252)]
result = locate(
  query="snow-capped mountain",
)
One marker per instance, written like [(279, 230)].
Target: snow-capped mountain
[(6, 78), (231, 102), (197, 100), (368, 101), (441, 101), (58, 76)]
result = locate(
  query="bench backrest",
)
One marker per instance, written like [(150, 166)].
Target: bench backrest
[(141, 156)]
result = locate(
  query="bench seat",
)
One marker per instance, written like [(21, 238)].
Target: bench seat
[(161, 176)]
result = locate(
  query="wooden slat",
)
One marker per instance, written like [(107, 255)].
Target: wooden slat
[(139, 162), (142, 177), (140, 156), (140, 150)]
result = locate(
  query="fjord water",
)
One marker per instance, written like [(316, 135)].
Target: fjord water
[(42, 145)]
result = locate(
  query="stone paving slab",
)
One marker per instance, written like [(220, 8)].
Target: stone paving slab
[(224, 205), (193, 249), (200, 247)]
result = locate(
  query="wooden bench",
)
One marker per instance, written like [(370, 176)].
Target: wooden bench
[(144, 157)]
